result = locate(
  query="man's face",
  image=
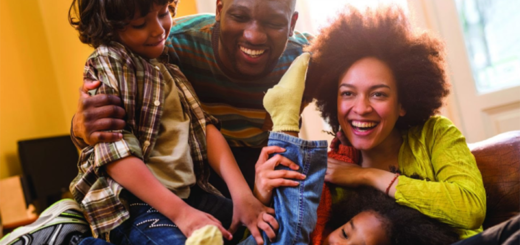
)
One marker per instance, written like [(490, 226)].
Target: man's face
[(253, 34)]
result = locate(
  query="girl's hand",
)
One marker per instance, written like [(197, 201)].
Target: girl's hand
[(252, 213), (189, 219), (267, 178)]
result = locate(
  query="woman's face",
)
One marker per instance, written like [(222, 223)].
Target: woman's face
[(368, 105), (363, 229)]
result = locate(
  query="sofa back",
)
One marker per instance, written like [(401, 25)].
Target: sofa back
[(498, 159)]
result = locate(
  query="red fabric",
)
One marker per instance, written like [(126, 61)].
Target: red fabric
[(345, 154)]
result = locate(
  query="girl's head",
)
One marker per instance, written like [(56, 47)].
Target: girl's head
[(405, 69), (372, 218), (140, 25)]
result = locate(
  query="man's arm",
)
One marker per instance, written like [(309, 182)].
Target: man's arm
[(96, 116)]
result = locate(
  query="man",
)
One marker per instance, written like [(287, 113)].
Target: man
[(231, 59)]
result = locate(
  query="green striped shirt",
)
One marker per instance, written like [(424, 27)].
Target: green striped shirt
[(236, 103)]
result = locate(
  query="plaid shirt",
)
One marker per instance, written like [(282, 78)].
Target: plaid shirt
[(140, 86)]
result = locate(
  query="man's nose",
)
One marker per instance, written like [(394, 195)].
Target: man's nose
[(255, 34)]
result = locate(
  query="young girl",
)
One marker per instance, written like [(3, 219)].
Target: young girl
[(371, 217), (152, 186)]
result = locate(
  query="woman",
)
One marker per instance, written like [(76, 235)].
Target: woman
[(380, 83)]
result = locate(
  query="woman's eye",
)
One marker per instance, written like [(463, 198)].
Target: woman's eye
[(379, 94), (346, 93)]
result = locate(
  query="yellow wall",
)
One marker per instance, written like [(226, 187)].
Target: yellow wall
[(41, 64)]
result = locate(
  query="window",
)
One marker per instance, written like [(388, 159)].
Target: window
[(492, 40)]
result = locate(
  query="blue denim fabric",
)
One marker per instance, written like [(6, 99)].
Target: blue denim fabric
[(94, 241), (296, 207), (147, 226)]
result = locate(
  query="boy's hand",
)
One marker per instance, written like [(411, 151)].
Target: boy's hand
[(253, 214), (96, 115), (191, 219)]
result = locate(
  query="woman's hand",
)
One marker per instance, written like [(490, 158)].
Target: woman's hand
[(267, 178), (353, 175), (254, 215), (345, 174)]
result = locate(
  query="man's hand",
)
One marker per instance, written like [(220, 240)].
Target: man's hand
[(267, 178), (249, 211), (96, 115)]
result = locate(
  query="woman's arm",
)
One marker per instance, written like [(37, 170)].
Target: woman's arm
[(453, 191), (133, 175)]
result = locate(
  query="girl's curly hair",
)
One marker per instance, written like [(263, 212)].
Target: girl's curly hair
[(403, 225), (98, 20), (415, 58)]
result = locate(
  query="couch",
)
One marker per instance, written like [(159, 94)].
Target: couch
[(498, 159)]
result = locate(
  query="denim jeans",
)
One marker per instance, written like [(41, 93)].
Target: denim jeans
[(506, 233), (296, 207), (147, 226)]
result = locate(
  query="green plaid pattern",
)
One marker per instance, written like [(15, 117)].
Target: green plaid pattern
[(140, 85)]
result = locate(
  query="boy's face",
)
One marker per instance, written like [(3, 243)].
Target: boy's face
[(253, 34), (363, 229), (146, 35)]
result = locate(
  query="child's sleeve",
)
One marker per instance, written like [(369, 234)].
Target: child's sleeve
[(117, 77)]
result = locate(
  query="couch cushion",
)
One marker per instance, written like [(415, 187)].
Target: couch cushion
[(498, 159)]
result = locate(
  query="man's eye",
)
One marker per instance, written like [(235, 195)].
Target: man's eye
[(276, 25), (239, 18)]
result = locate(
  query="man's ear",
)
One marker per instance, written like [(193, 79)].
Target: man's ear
[(294, 18), (220, 5)]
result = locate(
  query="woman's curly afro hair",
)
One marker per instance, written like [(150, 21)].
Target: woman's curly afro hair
[(415, 58)]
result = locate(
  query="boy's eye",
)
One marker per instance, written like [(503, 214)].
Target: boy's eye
[(164, 14)]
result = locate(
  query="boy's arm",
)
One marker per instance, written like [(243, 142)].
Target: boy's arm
[(133, 175), (246, 208)]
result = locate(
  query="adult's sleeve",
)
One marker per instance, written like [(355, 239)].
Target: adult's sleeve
[(456, 195)]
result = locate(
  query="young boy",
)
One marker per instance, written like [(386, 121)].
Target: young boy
[(152, 186)]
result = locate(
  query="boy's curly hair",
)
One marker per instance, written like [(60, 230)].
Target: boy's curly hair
[(403, 225), (98, 20), (415, 58)]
